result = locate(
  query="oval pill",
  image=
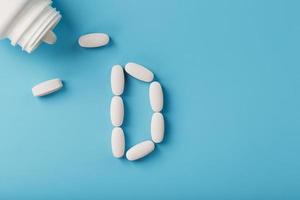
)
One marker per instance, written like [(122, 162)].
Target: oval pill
[(157, 127), (47, 87), (50, 38), (117, 80), (93, 40), (156, 96), (140, 150), (139, 72), (117, 111), (118, 142)]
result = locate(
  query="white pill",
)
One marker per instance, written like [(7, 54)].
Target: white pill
[(157, 127), (118, 142), (117, 80), (140, 150), (117, 111), (139, 72), (50, 38), (47, 87), (93, 40), (156, 96)]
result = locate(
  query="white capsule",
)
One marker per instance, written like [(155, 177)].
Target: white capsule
[(139, 72), (118, 142), (117, 80), (116, 111), (47, 87), (93, 40), (156, 96), (140, 150), (157, 127)]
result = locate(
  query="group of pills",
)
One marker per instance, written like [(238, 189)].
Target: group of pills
[(137, 71), (91, 40), (144, 148)]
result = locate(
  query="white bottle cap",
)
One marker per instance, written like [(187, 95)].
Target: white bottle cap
[(34, 25)]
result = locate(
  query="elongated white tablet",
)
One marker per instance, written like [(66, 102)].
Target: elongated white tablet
[(139, 72), (47, 87), (117, 80), (156, 96), (157, 127), (140, 150), (116, 111), (93, 40), (118, 142)]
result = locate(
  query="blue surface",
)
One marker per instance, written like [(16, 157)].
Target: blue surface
[(231, 74)]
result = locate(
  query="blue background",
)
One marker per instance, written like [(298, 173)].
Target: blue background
[(230, 70)]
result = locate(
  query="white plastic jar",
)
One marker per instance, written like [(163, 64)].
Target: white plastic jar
[(28, 22)]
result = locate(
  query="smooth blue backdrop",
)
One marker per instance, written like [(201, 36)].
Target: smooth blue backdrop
[(231, 74)]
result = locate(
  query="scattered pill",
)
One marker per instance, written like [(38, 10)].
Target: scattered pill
[(93, 40), (47, 87), (140, 150), (139, 72), (118, 142), (117, 80), (156, 96), (157, 127), (117, 111)]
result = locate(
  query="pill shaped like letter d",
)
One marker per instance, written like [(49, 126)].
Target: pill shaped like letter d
[(47, 87), (118, 142), (156, 96), (139, 72), (157, 127), (140, 150), (116, 111), (117, 80)]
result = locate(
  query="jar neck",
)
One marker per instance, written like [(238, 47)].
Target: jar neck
[(32, 24)]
